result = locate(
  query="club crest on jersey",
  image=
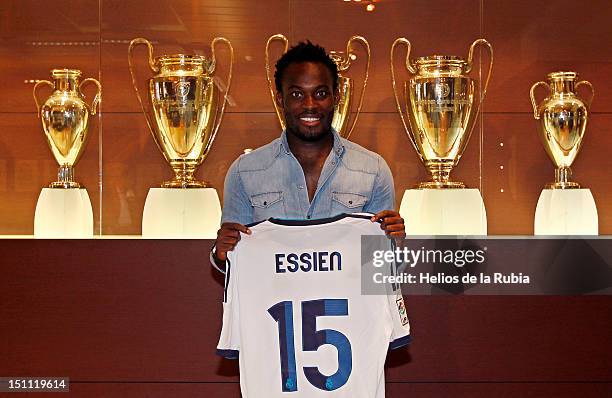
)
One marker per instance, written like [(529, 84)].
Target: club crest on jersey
[(401, 309)]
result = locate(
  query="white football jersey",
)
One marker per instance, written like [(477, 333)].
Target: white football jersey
[(294, 315)]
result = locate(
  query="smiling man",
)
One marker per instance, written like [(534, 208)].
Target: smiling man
[(309, 172)]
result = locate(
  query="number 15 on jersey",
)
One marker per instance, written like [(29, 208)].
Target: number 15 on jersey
[(312, 339)]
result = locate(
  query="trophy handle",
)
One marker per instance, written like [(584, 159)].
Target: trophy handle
[(401, 40), (590, 101), (97, 97), (154, 68), (366, 45), (470, 63), (221, 112), (38, 84), (284, 39), (536, 115)]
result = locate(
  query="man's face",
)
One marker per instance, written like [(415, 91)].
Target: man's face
[(307, 100)]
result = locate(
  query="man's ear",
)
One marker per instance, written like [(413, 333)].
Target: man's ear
[(278, 97), (336, 97)]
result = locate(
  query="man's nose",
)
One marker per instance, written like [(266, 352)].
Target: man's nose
[(309, 101)]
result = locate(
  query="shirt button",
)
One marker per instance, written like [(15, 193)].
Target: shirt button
[(308, 217), (265, 203), (350, 202), (300, 187), (333, 162)]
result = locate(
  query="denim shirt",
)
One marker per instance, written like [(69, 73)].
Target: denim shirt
[(269, 182)]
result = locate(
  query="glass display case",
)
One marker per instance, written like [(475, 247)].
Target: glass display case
[(504, 159)]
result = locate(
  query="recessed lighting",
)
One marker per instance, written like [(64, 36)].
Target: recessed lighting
[(370, 7)]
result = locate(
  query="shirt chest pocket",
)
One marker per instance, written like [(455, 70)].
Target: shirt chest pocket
[(266, 199), (348, 202), (267, 204)]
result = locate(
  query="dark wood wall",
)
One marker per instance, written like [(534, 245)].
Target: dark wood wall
[(141, 318)]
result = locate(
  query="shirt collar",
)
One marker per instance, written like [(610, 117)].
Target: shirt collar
[(338, 145)]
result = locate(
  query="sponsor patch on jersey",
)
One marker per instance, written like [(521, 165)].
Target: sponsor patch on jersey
[(401, 309)]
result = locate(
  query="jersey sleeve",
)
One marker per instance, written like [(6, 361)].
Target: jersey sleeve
[(400, 334), (229, 341)]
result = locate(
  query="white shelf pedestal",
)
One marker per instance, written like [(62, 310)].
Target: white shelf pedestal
[(444, 212), (63, 213), (566, 212), (181, 213)]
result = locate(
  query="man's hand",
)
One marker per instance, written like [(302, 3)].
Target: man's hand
[(227, 238), (391, 222)]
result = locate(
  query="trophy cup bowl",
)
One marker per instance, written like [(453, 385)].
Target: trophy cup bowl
[(563, 119), (440, 102), (65, 119), (342, 113), (184, 102)]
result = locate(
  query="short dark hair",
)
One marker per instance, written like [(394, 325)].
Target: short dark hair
[(304, 52)]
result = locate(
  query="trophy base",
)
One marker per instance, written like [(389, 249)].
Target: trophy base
[(562, 185), (444, 212), (562, 179), (65, 185), (440, 170), (177, 184), (566, 212), (440, 185), (184, 177), (181, 213), (63, 214)]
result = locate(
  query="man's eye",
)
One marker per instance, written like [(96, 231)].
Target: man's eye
[(295, 94), (322, 93)]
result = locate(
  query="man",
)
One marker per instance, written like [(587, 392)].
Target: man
[(309, 172)]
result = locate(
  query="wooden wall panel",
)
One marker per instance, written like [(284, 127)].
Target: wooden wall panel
[(180, 26), (393, 390), (534, 38), (499, 390), (144, 311), (39, 36), (419, 21), (417, 390)]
